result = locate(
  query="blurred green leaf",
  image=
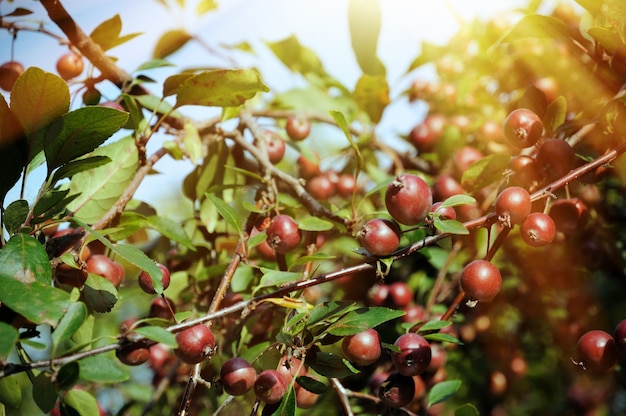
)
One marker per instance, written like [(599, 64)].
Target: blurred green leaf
[(484, 172), (364, 19), (556, 114), (460, 199), (466, 410), (102, 369), (220, 88), (170, 42), (107, 33), (371, 94), (10, 391), (15, 215), (537, 26), (331, 365), (434, 325), (205, 6), (442, 391), (170, 229), (314, 224), (312, 385), (8, 338), (158, 334), (68, 375), (72, 320), (441, 337), (82, 402), (276, 277), (45, 393), (79, 132)]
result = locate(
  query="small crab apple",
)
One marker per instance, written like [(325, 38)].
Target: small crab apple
[(237, 376), (283, 234), (481, 280), (321, 187), (397, 390), (270, 386), (162, 307), (414, 355), (275, 146), (195, 344), (400, 294), (555, 158), (597, 351), (133, 354), (379, 236), (538, 229), (103, 266), (570, 215), (524, 171), (523, 128), (619, 334), (408, 199), (513, 205), (9, 73), (362, 348), (463, 159), (70, 65), (425, 135), (447, 213), (145, 281), (297, 127)]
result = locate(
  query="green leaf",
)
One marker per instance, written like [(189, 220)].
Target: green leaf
[(23, 258), (226, 211), (15, 215), (192, 143), (442, 391), (537, 26), (314, 257), (99, 293), (296, 57), (364, 18), (466, 410), (39, 302), (102, 369), (158, 334), (205, 6), (49, 201), (287, 405), (328, 310), (440, 337), (314, 224), (76, 166), (362, 319), (38, 98), (450, 226), (220, 88), (70, 323), (138, 258), (607, 38), (331, 365), (371, 94), (10, 391), (170, 229), (460, 199), (484, 172), (173, 82), (81, 401), (101, 187), (434, 325), (152, 64), (8, 338), (107, 33), (170, 42), (340, 119), (45, 393), (79, 132), (277, 277), (556, 114)]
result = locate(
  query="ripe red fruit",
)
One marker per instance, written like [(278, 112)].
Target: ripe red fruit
[(414, 355), (297, 127), (425, 135), (133, 354), (463, 159), (291, 367), (408, 199), (145, 281), (363, 348), (195, 344), (400, 294), (397, 390), (446, 213), (379, 236), (446, 186), (481, 280), (9, 73), (283, 234), (523, 128), (109, 269), (619, 334), (308, 168), (162, 307), (70, 65), (555, 158), (68, 275), (237, 376), (513, 205), (346, 185), (538, 229), (321, 187), (275, 146), (597, 350), (525, 172), (270, 386), (305, 399), (569, 215)]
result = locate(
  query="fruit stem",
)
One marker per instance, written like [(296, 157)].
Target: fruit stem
[(453, 306)]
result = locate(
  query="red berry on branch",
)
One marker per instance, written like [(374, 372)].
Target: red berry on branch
[(513, 205), (9, 73), (379, 236), (538, 229), (195, 344), (597, 351), (283, 234), (363, 348), (70, 65), (523, 128), (408, 199), (481, 280), (414, 355)]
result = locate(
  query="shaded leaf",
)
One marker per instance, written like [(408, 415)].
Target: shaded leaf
[(15, 215), (173, 82), (484, 172), (23, 258), (138, 258), (442, 391), (107, 33), (13, 149), (328, 310), (467, 409), (99, 293), (226, 211), (220, 88), (364, 18), (101, 187), (296, 57), (556, 114), (330, 365), (79, 132), (8, 338), (76, 166), (38, 98), (49, 201), (170, 42), (362, 319), (312, 385), (45, 392), (68, 375), (341, 121), (192, 143), (314, 257), (39, 302), (101, 369), (152, 64), (158, 334), (10, 391), (19, 11)]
